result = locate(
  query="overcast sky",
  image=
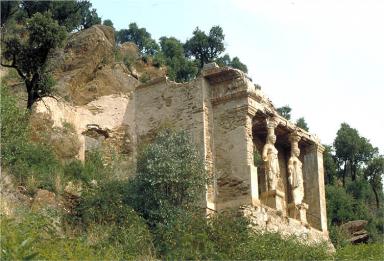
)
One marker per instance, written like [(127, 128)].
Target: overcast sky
[(325, 59)]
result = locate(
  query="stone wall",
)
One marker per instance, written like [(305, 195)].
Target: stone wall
[(263, 218), (227, 119)]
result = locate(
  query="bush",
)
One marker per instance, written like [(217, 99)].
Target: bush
[(36, 167), (272, 246), (105, 211), (91, 170), (184, 237), (13, 128), (229, 232), (361, 252), (170, 177)]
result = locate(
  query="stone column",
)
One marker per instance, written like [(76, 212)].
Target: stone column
[(315, 188), (273, 197), (296, 208)]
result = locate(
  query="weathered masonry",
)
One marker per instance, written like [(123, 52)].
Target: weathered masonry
[(256, 158)]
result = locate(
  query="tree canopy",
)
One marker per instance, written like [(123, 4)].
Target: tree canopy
[(205, 48), (285, 111), (234, 63), (27, 51), (140, 37), (352, 150), (179, 68), (302, 123)]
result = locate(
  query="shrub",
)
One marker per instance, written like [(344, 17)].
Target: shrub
[(36, 163), (170, 176), (229, 232), (184, 237), (13, 128), (104, 211), (272, 246), (361, 252)]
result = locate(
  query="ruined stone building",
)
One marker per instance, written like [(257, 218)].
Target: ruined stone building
[(257, 160)]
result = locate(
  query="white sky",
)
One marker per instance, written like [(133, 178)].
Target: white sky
[(325, 59)]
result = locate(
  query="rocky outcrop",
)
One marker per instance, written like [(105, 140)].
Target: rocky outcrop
[(44, 199), (85, 68), (355, 231)]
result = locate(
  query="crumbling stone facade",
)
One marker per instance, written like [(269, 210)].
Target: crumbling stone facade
[(229, 119), (257, 160)]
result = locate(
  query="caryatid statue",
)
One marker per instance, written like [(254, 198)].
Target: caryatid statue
[(270, 156), (295, 173)]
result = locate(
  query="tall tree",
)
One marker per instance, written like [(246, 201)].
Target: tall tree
[(89, 17), (8, 9), (352, 151), (329, 165), (28, 51), (302, 123), (205, 48), (179, 68), (374, 174), (285, 111), (140, 37), (71, 13), (108, 22), (234, 63)]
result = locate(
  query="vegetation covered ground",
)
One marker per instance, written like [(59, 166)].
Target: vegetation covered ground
[(154, 214)]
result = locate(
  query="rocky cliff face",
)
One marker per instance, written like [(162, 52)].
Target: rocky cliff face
[(86, 70), (94, 90)]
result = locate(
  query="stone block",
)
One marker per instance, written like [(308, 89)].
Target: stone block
[(298, 212), (273, 199)]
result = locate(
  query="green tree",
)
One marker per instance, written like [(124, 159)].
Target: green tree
[(179, 68), (302, 123), (285, 111), (108, 22), (8, 9), (234, 63), (330, 168), (170, 179), (140, 37), (71, 14), (28, 52), (374, 174), (352, 150), (89, 17), (205, 48)]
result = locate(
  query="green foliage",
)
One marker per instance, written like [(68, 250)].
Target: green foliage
[(352, 151), (27, 51), (338, 236), (90, 172), (361, 252), (205, 48), (329, 165), (302, 123), (71, 14), (13, 128), (105, 210), (374, 174), (340, 205), (170, 176), (234, 63), (272, 246), (89, 17), (8, 9), (184, 237), (108, 22), (140, 37), (179, 68), (20, 238), (285, 111)]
